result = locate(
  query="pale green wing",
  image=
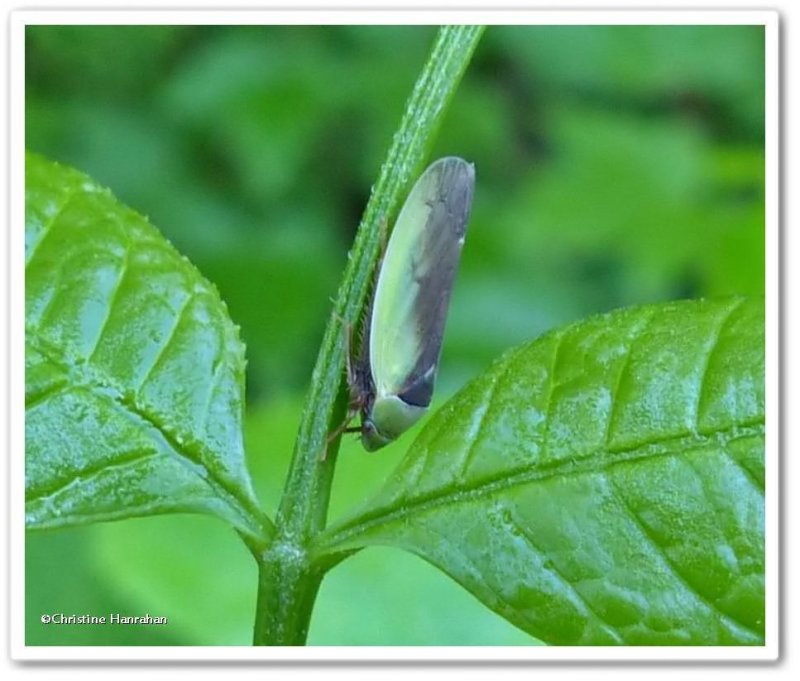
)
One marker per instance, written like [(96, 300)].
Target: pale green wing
[(416, 277)]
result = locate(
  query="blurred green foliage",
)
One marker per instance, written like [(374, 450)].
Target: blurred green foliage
[(616, 165)]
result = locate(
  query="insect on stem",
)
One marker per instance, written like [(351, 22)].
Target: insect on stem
[(391, 382)]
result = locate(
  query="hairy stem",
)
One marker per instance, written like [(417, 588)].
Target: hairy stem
[(288, 580)]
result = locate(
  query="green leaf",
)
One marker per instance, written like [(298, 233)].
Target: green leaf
[(134, 372), (603, 484)]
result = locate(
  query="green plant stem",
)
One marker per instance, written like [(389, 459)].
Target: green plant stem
[(287, 589), (288, 580)]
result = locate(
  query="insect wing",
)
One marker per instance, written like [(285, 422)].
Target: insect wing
[(416, 279)]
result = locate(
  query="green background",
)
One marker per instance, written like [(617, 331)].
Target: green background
[(615, 165)]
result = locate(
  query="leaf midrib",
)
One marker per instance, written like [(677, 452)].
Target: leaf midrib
[(90, 382), (330, 541)]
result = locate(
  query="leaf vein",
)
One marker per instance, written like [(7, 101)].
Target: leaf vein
[(73, 519), (91, 472), (638, 332), (724, 320), (110, 305), (671, 566), (559, 338), (213, 384), (524, 475), (463, 466), (47, 228), (167, 342), (92, 383), (51, 293), (33, 400), (755, 482), (552, 568), (510, 611)]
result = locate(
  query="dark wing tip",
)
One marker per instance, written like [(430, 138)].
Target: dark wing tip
[(445, 232), (420, 392)]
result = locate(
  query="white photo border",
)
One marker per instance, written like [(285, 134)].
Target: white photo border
[(18, 20)]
